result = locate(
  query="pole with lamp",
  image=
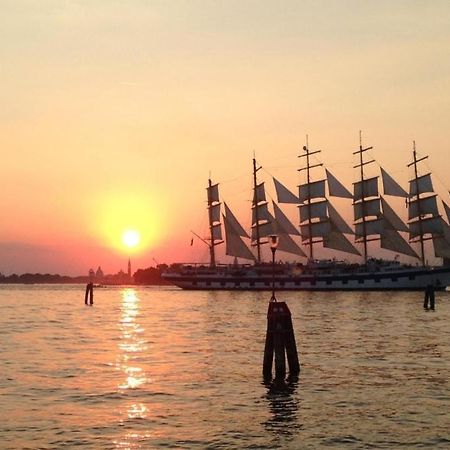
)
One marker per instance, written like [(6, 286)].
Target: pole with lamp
[(280, 339), (273, 239)]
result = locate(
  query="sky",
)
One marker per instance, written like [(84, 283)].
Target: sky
[(114, 114)]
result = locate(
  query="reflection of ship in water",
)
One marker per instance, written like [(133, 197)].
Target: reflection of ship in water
[(283, 406), (375, 221)]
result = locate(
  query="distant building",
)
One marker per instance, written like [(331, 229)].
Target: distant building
[(99, 274), (129, 268), (91, 274)]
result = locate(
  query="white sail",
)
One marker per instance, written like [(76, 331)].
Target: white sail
[(422, 185), (441, 247), (371, 227), (337, 221), (369, 187), (392, 240), (390, 186), (318, 229), (234, 245), (215, 213), (317, 210), (447, 211), (284, 225), (335, 188), (422, 206), (213, 193), (367, 208), (259, 193), (432, 225), (441, 243), (284, 195), (264, 230), (393, 220), (263, 213), (288, 245), (217, 232), (309, 191), (233, 222), (337, 241)]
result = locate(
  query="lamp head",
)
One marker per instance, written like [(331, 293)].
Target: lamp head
[(273, 239)]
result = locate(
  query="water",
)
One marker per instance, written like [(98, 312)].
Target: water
[(163, 368)]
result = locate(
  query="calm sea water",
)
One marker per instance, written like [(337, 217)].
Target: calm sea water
[(164, 368)]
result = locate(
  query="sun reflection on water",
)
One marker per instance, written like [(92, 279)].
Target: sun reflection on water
[(132, 346)]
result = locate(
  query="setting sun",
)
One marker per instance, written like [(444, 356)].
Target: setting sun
[(130, 221), (131, 238)]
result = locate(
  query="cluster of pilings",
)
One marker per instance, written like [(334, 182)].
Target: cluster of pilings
[(280, 342)]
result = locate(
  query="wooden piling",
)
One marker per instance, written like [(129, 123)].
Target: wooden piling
[(280, 342), (89, 293)]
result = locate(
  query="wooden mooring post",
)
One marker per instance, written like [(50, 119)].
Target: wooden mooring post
[(280, 342), (90, 293)]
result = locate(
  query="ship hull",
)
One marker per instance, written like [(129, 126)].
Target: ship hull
[(410, 279)]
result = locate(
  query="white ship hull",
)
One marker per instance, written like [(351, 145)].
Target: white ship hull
[(248, 279)]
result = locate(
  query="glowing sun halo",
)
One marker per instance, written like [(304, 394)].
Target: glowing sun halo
[(131, 238)]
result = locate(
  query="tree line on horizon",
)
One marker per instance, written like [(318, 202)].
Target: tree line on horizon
[(149, 276)]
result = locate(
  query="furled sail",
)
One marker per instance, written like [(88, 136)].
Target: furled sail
[(235, 246), (233, 223), (284, 195), (391, 187), (335, 188)]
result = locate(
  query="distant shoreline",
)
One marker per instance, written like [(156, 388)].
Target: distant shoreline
[(142, 277)]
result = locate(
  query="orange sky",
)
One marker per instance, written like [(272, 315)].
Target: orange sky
[(114, 113)]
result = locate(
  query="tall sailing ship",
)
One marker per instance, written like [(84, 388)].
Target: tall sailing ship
[(320, 223)]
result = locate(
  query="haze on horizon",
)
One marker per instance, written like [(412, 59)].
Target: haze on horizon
[(115, 113)]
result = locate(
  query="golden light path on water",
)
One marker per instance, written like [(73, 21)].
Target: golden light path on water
[(132, 346)]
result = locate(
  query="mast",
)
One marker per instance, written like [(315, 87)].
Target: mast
[(420, 218), (308, 167), (212, 253), (361, 165), (255, 206)]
